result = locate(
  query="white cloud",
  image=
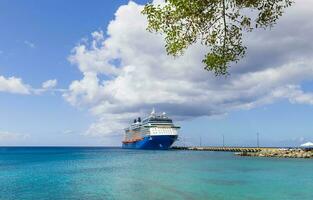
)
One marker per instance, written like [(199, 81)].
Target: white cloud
[(68, 131), (295, 94), (29, 44), (6, 136), (128, 72), (13, 85), (49, 84), (84, 91)]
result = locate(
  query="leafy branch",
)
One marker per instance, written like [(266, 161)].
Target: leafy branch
[(218, 24)]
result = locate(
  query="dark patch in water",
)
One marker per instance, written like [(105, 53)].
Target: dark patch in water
[(93, 170), (224, 182)]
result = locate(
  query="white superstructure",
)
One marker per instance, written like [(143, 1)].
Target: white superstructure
[(154, 125)]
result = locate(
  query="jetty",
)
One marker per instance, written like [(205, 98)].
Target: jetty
[(256, 151), (217, 148)]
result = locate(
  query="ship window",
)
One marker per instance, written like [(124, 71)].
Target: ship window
[(161, 120)]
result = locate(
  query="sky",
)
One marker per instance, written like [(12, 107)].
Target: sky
[(75, 73)]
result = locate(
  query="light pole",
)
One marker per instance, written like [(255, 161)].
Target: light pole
[(183, 141), (223, 141), (258, 139)]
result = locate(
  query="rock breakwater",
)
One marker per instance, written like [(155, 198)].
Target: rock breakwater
[(280, 153)]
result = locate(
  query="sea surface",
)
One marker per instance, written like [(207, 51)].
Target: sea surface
[(114, 173)]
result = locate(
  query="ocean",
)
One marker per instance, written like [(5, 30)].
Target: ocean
[(114, 173)]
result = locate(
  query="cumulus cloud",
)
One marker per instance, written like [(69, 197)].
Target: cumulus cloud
[(49, 84), (126, 72), (13, 85), (294, 94)]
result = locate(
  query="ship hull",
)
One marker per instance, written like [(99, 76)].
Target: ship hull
[(161, 142)]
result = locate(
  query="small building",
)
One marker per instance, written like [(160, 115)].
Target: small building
[(307, 146)]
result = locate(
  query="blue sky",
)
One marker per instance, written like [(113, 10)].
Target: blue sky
[(52, 40), (54, 27)]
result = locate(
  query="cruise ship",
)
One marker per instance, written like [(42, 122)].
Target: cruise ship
[(153, 132)]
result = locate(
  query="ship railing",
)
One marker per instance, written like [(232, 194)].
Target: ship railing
[(132, 140)]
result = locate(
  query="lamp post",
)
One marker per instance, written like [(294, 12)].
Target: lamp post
[(258, 139)]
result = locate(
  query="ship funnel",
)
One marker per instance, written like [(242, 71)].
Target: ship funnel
[(139, 119)]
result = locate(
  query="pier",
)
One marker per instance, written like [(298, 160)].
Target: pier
[(229, 149), (257, 151)]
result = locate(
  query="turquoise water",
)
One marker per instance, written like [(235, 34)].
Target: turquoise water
[(108, 173)]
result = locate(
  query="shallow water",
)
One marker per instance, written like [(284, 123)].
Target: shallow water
[(112, 173)]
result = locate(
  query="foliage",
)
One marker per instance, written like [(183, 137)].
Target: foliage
[(218, 24)]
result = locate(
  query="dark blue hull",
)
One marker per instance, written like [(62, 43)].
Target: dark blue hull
[(161, 142)]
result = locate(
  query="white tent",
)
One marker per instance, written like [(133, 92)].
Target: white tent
[(307, 145)]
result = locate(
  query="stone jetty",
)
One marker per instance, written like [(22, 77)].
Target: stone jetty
[(229, 149), (257, 151), (280, 153)]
